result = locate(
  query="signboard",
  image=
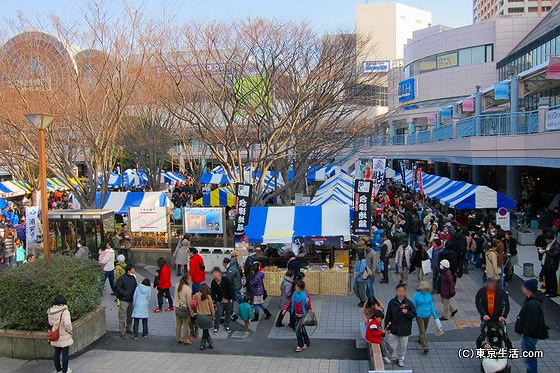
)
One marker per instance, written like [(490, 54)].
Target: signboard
[(501, 91), (203, 220), (414, 168), (503, 219), (402, 166), (378, 174), (243, 193), (468, 104), (552, 120), (407, 90), (447, 60), (32, 225), (431, 118), (150, 219), (376, 66), (318, 241), (362, 206), (447, 113)]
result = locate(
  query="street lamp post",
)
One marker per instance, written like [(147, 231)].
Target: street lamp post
[(41, 122)]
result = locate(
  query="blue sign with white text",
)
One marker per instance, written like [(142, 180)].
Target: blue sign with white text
[(406, 90)]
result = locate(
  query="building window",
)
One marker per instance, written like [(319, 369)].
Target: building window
[(478, 55), (533, 9), (516, 10), (465, 57)]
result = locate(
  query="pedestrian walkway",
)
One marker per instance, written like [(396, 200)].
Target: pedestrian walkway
[(96, 361)]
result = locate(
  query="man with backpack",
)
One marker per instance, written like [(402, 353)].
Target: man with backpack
[(530, 322)]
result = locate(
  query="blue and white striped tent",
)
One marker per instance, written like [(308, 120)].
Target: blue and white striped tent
[(272, 180), (459, 194), (115, 180), (338, 189), (135, 178), (120, 202), (319, 173), (10, 189), (281, 224), (171, 177)]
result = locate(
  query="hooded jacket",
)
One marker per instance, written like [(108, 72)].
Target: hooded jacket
[(233, 273), (181, 254), (286, 291), (125, 288), (54, 313), (141, 300), (530, 321)]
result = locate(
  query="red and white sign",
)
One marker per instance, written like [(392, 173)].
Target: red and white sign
[(152, 219), (468, 104), (553, 69), (431, 118), (419, 180)]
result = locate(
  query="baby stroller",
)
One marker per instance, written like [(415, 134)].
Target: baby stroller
[(494, 336)]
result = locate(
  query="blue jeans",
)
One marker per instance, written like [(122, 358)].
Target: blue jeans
[(529, 344), (502, 278), (111, 276), (370, 291), (195, 287), (477, 260), (261, 306), (413, 239)]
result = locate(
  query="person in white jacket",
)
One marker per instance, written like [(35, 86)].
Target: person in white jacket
[(107, 263), (403, 260), (59, 318)]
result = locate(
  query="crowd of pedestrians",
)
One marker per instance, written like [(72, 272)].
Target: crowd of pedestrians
[(411, 236)]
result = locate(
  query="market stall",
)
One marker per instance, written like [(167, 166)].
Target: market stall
[(120, 202), (220, 197), (314, 233)]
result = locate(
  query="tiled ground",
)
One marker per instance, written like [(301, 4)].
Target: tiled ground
[(141, 362)]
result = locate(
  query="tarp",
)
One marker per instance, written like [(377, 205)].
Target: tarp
[(171, 177), (11, 189), (319, 173), (338, 189), (459, 194), (3, 203), (208, 178), (135, 178), (281, 224), (115, 180), (220, 197), (120, 202), (55, 183)]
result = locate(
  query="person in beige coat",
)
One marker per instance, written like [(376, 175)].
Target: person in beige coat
[(181, 255), (492, 268), (59, 317), (181, 301)]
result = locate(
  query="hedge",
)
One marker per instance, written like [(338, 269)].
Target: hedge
[(27, 291)]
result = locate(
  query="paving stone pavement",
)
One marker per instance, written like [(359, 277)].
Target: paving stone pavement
[(339, 317), (96, 361)]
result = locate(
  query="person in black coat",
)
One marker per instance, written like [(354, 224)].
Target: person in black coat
[(510, 250), (451, 256), (222, 294), (125, 287), (398, 320), (459, 241), (492, 302), (550, 265), (530, 322)]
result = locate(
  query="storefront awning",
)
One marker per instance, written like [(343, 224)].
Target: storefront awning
[(120, 202)]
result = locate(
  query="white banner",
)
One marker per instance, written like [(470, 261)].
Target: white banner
[(553, 120), (151, 219), (378, 174), (32, 229)]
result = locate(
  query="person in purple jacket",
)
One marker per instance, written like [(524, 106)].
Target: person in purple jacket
[(257, 289)]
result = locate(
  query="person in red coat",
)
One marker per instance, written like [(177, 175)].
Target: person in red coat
[(375, 333), (196, 269), (163, 285)]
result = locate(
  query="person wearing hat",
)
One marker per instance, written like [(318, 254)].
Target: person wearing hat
[(425, 308), (120, 267), (530, 322), (447, 289), (492, 302)]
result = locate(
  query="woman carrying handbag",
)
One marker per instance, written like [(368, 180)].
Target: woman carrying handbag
[(60, 335)]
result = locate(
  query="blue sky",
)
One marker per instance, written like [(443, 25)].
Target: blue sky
[(324, 15)]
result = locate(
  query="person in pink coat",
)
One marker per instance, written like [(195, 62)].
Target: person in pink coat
[(59, 317)]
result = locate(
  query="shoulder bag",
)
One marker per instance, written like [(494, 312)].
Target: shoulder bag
[(54, 335)]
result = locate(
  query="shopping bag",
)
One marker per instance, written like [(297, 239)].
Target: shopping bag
[(310, 319), (438, 327), (427, 266)]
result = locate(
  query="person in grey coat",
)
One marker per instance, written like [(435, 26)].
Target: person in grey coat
[(233, 274), (181, 255), (286, 291)]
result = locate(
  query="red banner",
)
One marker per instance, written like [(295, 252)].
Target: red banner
[(419, 180), (553, 69)]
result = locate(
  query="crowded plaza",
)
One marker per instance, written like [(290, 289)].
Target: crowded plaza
[(207, 187)]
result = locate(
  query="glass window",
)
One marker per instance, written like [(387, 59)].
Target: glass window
[(557, 42), (465, 56), (428, 64), (407, 71), (489, 53), (447, 60), (538, 55), (478, 54), (547, 50)]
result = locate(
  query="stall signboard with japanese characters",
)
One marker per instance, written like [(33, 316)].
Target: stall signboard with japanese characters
[(378, 174), (148, 219), (362, 206), (32, 225), (402, 166), (243, 193), (204, 220)]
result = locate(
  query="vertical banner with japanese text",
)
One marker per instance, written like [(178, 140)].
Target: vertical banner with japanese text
[(378, 174), (362, 206), (414, 168), (32, 230), (403, 171), (243, 193), (419, 180)]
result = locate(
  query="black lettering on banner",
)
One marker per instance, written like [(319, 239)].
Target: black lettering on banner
[(362, 206), (243, 193)]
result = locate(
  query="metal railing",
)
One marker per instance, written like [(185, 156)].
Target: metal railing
[(443, 133)]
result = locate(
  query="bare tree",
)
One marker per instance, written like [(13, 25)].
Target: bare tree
[(84, 76), (265, 94)]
